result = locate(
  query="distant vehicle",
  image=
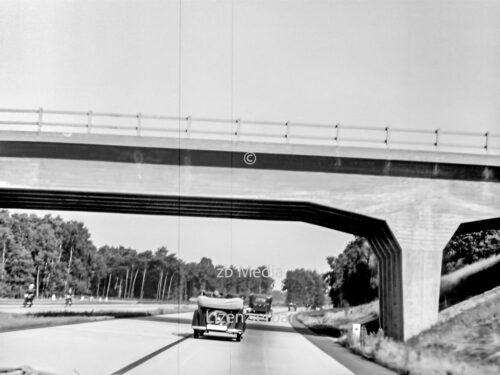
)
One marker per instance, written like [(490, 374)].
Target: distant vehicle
[(29, 296), (221, 315), (69, 298), (292, 306), (313, 307), (260, 307)]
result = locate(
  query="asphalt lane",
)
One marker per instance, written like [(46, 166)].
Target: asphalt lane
[(273, 348), (164, 344)]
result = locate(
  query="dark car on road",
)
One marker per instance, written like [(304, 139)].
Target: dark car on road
[(260, 307)]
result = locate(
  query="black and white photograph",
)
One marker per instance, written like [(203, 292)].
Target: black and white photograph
[(247, 187)]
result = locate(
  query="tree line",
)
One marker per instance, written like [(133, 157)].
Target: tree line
[(55, 255), (305, 288)]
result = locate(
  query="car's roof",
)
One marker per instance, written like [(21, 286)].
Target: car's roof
[(261, 295)]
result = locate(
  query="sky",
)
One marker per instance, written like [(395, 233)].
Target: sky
[(411, 64), (418, 64)]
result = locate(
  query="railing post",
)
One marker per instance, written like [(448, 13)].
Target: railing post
[(188, 126), (40, 119), (436, 142), (238, 128), (486, 140), (387, 136), (139, 123), (337, 133), (89, 121), (287, 134)]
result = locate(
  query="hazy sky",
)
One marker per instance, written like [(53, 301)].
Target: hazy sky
[(418, 64), (375, 62)]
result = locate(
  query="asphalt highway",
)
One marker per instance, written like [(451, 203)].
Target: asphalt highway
[(165, 345)]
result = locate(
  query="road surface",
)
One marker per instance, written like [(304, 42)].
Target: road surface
[(164, 344)]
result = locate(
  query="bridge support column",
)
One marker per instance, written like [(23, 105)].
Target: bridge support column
[(411, 274)]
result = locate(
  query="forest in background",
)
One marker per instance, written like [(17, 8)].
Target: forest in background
[(55, 255)]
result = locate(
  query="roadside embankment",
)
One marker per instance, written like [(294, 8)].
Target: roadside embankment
[(466, 340), (336, 322)]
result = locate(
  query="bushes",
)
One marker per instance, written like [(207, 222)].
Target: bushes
[(353, 278)]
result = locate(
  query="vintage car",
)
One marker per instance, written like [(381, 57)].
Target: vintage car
[(260, 307), (221, 315)]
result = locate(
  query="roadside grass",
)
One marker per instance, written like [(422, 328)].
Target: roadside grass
[(50, 318), (413, 360), (117, 314), (472, 335), (469, 281), (12, 322), (339, 320), (466, 340)]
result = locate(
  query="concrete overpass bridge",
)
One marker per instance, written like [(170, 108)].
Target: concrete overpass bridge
[(408, 204)]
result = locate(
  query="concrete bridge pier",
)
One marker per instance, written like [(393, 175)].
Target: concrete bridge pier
[(410, 253)]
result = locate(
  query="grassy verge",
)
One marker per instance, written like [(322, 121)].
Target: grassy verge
[(39, 319), (465, 340), (12, 322), (111, 313), (469, 281), (338, 321)]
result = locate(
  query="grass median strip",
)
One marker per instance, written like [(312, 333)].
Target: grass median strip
[(18, 322), (51, 318)]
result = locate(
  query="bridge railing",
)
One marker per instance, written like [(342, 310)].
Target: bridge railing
[(236, 130)]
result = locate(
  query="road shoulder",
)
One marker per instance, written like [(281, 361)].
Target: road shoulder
[(353, 362)]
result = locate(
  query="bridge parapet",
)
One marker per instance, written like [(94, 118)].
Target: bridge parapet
[(332, 134)]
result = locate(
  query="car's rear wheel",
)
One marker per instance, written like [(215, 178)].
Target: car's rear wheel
[(238, 337), (196, 334)]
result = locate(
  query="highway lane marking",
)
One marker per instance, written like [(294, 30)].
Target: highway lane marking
[(146, 358)]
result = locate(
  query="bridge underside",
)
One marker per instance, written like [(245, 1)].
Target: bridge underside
[(375, 231)]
